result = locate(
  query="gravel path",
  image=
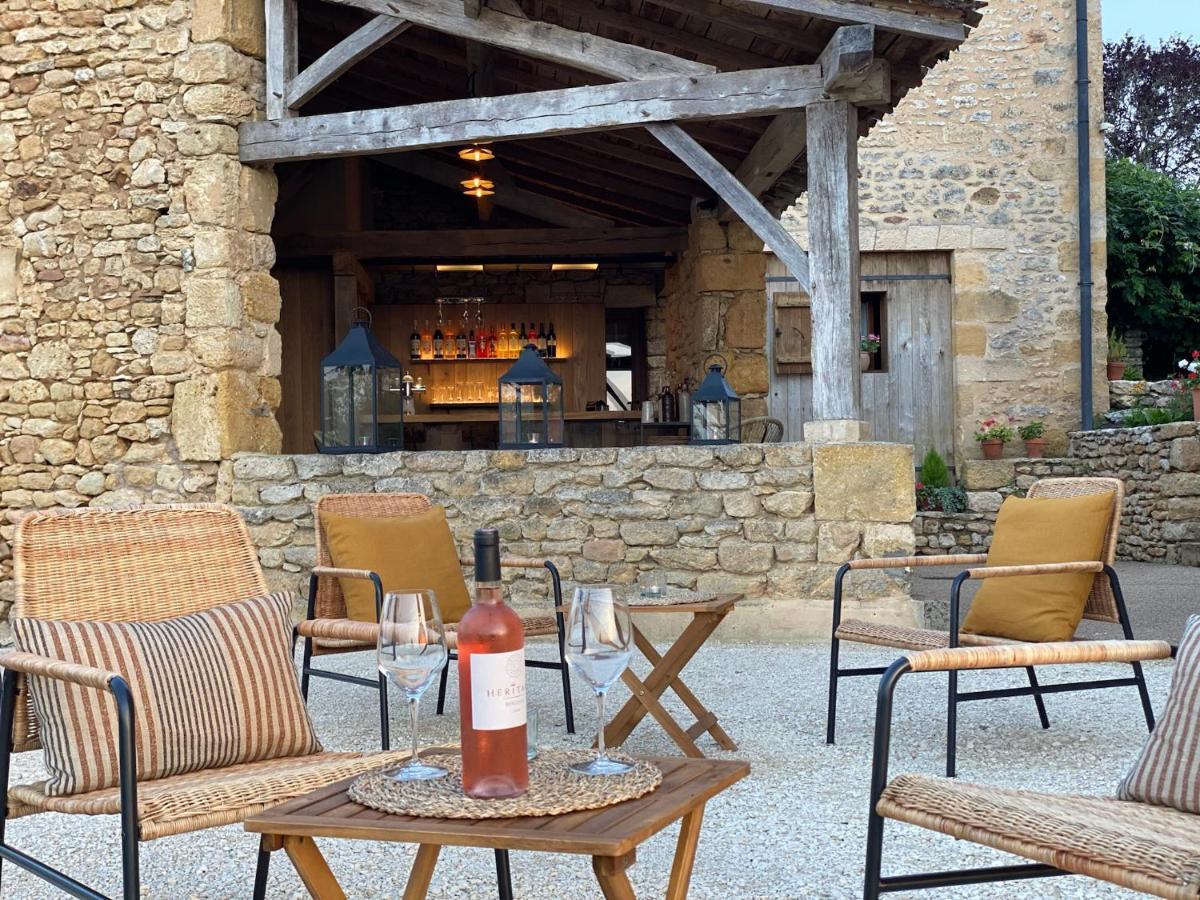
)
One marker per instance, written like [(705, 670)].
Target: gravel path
[(795, 828)]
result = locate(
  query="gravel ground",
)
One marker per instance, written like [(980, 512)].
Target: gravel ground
[(795, 828)]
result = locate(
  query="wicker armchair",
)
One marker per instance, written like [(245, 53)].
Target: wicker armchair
[(762, 430), (1105, 604), (1152, 849), (138, 566), (328, 631)]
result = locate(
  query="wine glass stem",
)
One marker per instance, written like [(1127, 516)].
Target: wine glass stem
[(414, 718), (601, 750)]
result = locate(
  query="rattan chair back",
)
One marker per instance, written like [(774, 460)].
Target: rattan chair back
[(1101, 605), (762, 430), (130, 565), (330, 604)]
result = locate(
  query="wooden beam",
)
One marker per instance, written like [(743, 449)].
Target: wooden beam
[(833, 242), (541, 114), (889, 19), (540, 40), (282, 55), (847, 57), (483, 244), (525, 202), (733, 192), (472, 8), (776, 151), (784, 32), (333, 62)]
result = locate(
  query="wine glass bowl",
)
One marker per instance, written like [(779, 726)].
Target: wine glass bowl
[(598, 647), (412, 652)]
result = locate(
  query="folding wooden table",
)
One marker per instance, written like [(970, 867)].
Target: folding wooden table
[(706, 616), (610, 835)]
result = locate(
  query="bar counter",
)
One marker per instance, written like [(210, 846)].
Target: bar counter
[(476, 428)]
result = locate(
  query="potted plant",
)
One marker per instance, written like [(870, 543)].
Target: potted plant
[(1034, 436), (866, 348), (1189, 375), (1116, 358), (992, 435)]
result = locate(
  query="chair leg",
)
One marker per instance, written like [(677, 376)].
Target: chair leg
[(1127, 629), (261, 871), (385, 725), (834, 649), (305, 663), (568, 704), (441, 704), (1037, 697), (1147, 709), (503, 876), (952, 725)]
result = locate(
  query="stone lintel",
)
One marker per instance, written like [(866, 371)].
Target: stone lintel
[(836, 431)]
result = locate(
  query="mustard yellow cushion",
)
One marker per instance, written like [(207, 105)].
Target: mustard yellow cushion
[(1039, 608), (407, 552)]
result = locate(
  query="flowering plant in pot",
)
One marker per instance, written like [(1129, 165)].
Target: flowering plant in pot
[(993, 434), (1034, 436), (1116, 358), (866, 348), (1189, 375)]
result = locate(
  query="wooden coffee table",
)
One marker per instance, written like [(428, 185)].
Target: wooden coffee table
[(609, 835), (706, 616)]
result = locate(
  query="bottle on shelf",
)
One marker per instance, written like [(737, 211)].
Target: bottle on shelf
[(512, 343), (491, 684), (521, 339), (540, 337), (427, 342), (492, 343), (531, 337), (551, 343), (460, 345), (414, 343), (472, 345), (439, 342)]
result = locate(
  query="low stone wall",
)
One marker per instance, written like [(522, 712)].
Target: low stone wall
[(1129, 394), (772, 522), (1159, 465)]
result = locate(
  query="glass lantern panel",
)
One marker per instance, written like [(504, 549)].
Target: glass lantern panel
[(335, 429), (531, 427), (554, 410), (734, 432), (362, 391), (391, 409), (508, 413), (709, 421)]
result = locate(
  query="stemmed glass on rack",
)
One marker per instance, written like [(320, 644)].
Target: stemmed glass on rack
[(599, 644), (411, 653)]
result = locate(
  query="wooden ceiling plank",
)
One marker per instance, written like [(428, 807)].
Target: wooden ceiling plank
[(853, 13), (612, 59), (350, 50), (545, 113), (514, 198), (733, 192), (482, 243), (784, 32)]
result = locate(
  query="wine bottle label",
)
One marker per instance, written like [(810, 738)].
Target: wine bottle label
[(497, 690)]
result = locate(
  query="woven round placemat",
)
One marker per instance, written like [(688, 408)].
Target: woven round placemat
[(553, 789)]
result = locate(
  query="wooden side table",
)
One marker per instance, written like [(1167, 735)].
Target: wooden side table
[(609, 835), (706, 616)]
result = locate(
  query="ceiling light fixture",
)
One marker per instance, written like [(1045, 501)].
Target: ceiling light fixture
[(476, 153), (478, 186), (460, 267), (574, 267)]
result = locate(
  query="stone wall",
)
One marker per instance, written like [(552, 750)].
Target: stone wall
[(981, 161), (1159, 465), (137, 345), (715, 301), (772, 522)]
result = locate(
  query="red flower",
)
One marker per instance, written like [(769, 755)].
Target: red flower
[(1196, 354), (920, 486)]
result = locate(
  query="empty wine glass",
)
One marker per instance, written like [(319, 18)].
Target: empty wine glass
[(599, 638), (411, 653)]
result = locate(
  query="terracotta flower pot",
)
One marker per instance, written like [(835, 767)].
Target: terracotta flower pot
[(992, 449), (864, 360), (1116, 368), (1035, 448), (1196, 404)]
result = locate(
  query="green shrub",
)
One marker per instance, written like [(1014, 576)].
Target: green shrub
[(933, 472), (1116, 349), (1131, 373), (941, 499), (1031, 431)]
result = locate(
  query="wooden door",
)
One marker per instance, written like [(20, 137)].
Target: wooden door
[(306, 329), (910, 399)]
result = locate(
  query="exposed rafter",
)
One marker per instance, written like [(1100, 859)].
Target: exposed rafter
[(540, 40), (485, 244), (887, 18), (566, 111), (776, 151), (362, 43)]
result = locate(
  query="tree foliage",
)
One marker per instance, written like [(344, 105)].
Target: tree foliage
[(1152, 100), (1153, 253)]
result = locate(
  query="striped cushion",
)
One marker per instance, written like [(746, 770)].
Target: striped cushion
[(211, 689), (1168, 771)]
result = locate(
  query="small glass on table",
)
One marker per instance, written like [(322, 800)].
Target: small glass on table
[(412, 653), (599, 645)]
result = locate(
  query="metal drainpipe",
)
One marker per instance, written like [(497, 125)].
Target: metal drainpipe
[(1083, 133)]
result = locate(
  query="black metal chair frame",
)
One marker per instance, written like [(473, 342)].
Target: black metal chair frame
[(874, 882), (380, 684), (955, 696)]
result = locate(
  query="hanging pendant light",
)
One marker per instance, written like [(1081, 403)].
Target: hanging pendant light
[(476, 153), (478, 186)]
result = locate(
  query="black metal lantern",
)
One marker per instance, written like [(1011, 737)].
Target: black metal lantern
[(716, 409), (362, 396), (531, 405)]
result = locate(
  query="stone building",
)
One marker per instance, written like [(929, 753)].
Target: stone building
[(141, 341), (980, 163)]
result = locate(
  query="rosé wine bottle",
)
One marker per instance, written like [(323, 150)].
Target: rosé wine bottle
[(491, 683)]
